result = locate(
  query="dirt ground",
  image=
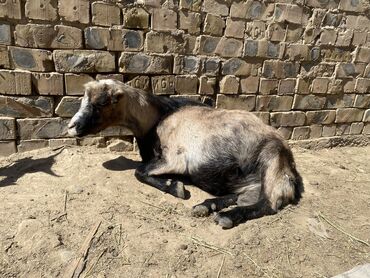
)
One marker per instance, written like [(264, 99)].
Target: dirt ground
[(52, 201)]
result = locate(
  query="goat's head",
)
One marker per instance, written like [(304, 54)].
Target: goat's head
[(99, 108)]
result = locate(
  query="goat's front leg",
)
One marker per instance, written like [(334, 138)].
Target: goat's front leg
[(215, 204), (147, 173)]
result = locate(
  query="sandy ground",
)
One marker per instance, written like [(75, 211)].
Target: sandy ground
[(53, 201)]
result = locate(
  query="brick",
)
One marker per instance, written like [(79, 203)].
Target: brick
[(238, 9), (22, 107), (216, 7), (5, 34), (339, 101), (163, 85), (42, 128), (74, 83), (207, 85), (141, 82), (213, 25), (75, 11), (320, 85), (97, 37), (348, 70), (229, 47), (55, 143), (41, 9), (257, 10), (83, 61), (336, 86), (285, 132), (7, 148), (268, 86), (190, 22), (320, 117), (11, 9), (344, 38), (207, 45), (31, 59), (160, 42), (236, 102), (356, 128), (303, 86), (366, 118), (359, 38), (301, 133), (7, 128), (298, 52), (312, 70), (288, 118), (352, 6), (362, 101), (48, 83), (328, 131), (4, 58), (294, 33), (235, 28), (349, 86), (363, 55), (315, 131), (263, 49), (164, 20), (193, 5), (328, 37), (348, 115), (115, 76), (229, 84), (343, 129), (115, 131), (30, 145), (308, 102), (336, 55), (136, 18), (366, 129), (255, 30), (249, 85), (47, 36), (187, 65), (211, 66), (68, 106), (332, 19), (274, 103), (263, 116), (362, 85), (15, 82), (311, 34), (276, 32), (145, 63), (332, 4), (105, 14), (186, 84), (236, 66), (279, 69), (290, 13), (287, 86), (190, 44), (358, 23)]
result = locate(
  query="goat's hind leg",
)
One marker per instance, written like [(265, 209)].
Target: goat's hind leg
[(214, 204), (173, 187)]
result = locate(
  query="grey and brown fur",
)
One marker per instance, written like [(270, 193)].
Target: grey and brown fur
[(229, 153)]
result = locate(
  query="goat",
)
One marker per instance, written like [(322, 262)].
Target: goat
[(231, 154)]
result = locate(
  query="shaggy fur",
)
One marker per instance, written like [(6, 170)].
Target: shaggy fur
[(231, 154)]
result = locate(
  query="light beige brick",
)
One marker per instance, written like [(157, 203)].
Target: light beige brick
[(163, 85), (5, 34), (356, 128), (255, 30), (136, 18), (229, 47), (186, 84), (68, 106), (48, 83), (290, 13), (237, 66), (190, 22), (145, 63), (42, 128), (141, 82), (164, 20), (229, 84), (348, 115), (7, 128), (74, 83), (241, 102), (161, 42), (213, 25), (216, 7), (4, 58), (15, 82), (30, 145), (274, 103), (268, 86), (7, 148), (301, 133), (320, 117), (320, 85), (105, 14), (249, 85), (308, 102), (23, 107), (315, 131), (288, 118), (41, 9), (235, 28), (75, 10), (287, 86), (207, 85), (328, 131), (55, 143), (11, 9)]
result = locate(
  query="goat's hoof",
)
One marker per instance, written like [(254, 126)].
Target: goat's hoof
[(177, 189), (224, 221), (200, 211)]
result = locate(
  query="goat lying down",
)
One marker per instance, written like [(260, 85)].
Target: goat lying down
[(229, 153)]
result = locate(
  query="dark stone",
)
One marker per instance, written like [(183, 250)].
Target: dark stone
[(93, 38), (4, 33), (23, 58), (273, 50), (251, 48), (132, 39), (138, 63), (210, 45)]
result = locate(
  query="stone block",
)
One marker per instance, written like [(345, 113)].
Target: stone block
[(160, 42), (187, 65), (31, 59), (255, 30), (301, 133), (75, 11), (276, 32), (7, 148), (280, 69), (349, 70), (48, 83), (274, 103), (211, 66), (115, 131), (136, 18), (356, 128), (140, 82), (207, 85), (366, 129), (295, 118), (186, 84), (145, 63), (249, 85), (362, 85), (320, 85), (297, 52), (358, 23), (164, 20), (7, 128), (290, 13), (193, 5), (328, 131), (348, 115), (235, 28), (84, 61), (339, 101), (74, 83), (353, 6), (105, 14), (303, 86), (363, 55), (237, 66), (308, 102), (263, 116), (213, 25), (163, 85), (344, 38), (238, 9), (332, 19), (30, 145), (336, 55), (42, 128), (15, 82), (315, 131), (68, 106), (56, 143), (285, 132), (207, 45), (41, 9), (359, 38), (4, 58), (229, 47), (115, 76), (23, 107), (190, 22), (97, 37), (47, 36), (229, 84), (263, 49), (366, 118), (5, 34), (218, 7), (342, 129), (11, 9), (336, 86), (362, 101), (294, 33), (268, 86), (332, 4), (122, 40), (241, 102), (349, 86), (328, 37), (320, 117), (287, 86), (257, 10), (119, 145)]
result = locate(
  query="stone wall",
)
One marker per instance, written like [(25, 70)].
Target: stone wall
[(301, 65)]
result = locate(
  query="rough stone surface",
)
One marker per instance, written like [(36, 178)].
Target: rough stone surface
[(105, 14), (15, 82), (207, 85), (120, 146), (7, 128), (48, 83), (144, 63), (136, 18), (42, 128), (231, 102), (74, 83), (41, 9), (68, 106), (7, 148), (22, 107), (229, 85), (75, 11), (186, 84), (31, 59), (163, 85), (30, 145)]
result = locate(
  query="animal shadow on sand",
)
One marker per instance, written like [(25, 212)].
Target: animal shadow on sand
[(14, 171)]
